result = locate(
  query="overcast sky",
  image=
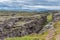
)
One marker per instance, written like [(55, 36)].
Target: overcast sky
[(30, 4)]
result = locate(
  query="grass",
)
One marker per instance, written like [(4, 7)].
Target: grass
[(57, 29), (49, 18), (53, 38), (57, 26)]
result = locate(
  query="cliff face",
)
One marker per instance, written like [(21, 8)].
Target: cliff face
[(14, 27), (56, 17)]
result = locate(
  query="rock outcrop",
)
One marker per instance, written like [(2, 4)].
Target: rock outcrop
[(7, 29), (56, 17)]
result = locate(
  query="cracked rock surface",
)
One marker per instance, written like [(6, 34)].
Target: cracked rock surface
[(17, 27)]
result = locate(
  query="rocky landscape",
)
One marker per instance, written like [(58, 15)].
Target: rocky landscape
[(20, 24)]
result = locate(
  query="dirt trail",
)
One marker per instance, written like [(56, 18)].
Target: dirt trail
[(50, 34), (58, 37)]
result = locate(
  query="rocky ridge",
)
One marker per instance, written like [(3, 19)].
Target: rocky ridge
[(30, 25)]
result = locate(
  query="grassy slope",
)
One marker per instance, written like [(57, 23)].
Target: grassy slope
[(57, 30)]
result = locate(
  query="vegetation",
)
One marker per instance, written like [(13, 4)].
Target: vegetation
[(49, 18), (57, 27)]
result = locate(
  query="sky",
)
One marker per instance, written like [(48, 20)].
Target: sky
[(29, 4)]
